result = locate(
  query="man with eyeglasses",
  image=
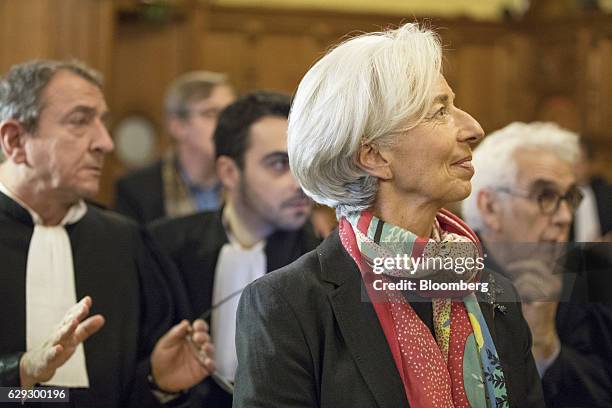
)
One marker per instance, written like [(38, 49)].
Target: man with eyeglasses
[(524, 194), (184, 180)]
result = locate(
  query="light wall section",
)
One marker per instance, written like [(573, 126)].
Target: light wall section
[(475, 9)]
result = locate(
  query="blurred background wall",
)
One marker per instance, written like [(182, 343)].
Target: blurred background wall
[(506, 60)]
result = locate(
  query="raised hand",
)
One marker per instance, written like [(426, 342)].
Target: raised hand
[(535, 280), (539, 288), (39, 364)]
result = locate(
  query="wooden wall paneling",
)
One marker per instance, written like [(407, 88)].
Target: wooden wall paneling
[(556, 64), (56, 29), (596, 96), (83, 29), (24, 28), (501, 72), (282, 61), (591, 93), (197, 22), (252, 30), (556, 73), (316, 23), (477, 85), (265, 49), (606, 85), (573, 65), (489, 62), (489, 65), (226, 52), (501, 99), (36, 29), (274, 35), (596, 86), (598, 76), (520, 77), (146, 58)]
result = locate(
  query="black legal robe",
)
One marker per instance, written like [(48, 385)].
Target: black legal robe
[(193, 243), (581, 376), (124, 275), (140, 195)]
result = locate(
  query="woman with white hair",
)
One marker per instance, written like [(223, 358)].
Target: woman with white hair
[(374, 133)]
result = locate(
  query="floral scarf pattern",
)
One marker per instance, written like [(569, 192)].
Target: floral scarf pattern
[(458, 368)]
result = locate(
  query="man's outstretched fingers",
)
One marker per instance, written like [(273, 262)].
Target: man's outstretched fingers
[(209, 361), (209, 349), (65, 332), (175, 335), (54, 352), (83, 310), (200, 324), (78, 311), (200, 334), (88, 327), (200, 337)]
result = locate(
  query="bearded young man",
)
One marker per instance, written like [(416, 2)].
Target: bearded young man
[(260, 228)]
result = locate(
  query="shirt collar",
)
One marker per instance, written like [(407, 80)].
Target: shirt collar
[(74, 214), (194, 188)]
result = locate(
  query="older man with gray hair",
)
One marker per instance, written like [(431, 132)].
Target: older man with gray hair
[(524, 194), (57, 248)]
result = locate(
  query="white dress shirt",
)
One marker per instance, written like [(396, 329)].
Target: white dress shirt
[(50, 289)]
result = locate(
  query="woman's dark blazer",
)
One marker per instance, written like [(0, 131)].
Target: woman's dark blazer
[(305, 339)]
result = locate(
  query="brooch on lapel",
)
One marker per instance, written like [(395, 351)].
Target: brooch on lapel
[(492, 295), (501, 308)]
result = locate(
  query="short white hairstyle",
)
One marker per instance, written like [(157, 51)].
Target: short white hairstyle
[(364, 90), (494, 160)]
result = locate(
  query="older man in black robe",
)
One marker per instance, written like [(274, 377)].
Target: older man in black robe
[(57, 248)]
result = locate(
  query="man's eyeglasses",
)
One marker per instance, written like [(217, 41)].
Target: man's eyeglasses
[(548, 199), (210, 113)]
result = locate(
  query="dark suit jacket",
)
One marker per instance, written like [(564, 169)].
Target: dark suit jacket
[(603, 197), (581, 375), (140, 194), (305, 339)]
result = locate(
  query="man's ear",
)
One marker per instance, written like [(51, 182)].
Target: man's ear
[(228, 172), (12, 139), (176, 128), (490, 209), (374, 162)]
